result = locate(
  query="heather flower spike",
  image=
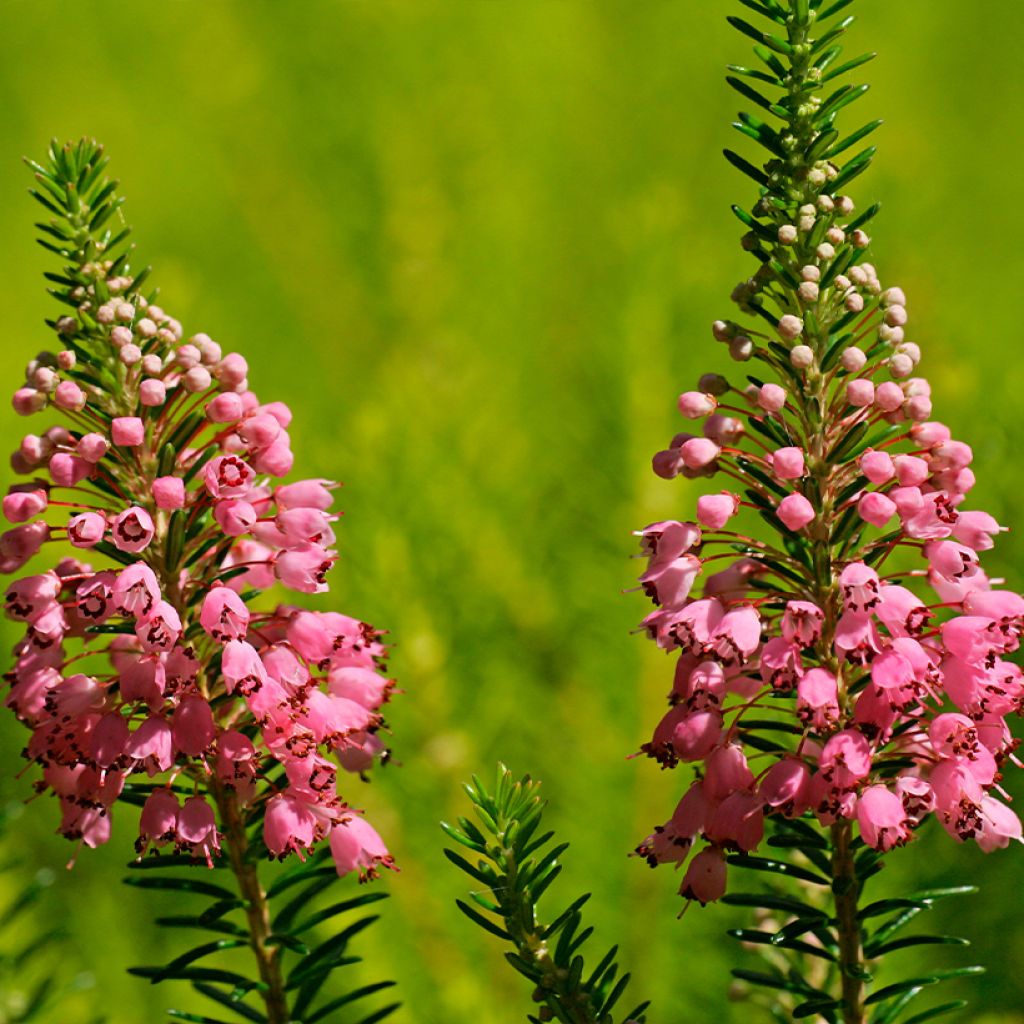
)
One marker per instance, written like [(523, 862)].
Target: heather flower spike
[(843, 675), (152, 670)]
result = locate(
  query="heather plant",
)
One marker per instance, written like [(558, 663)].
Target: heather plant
[(842, 664), (159, 666)]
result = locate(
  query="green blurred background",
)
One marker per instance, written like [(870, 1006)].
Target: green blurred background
[(477, 244)]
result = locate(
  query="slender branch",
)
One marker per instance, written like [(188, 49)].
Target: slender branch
[(846, 892), (257, 910)]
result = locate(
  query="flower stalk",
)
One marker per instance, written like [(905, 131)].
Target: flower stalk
[(257, 908), (873, 691), (151, 669), (846, 892)]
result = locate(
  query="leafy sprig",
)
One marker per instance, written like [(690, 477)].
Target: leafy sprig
[(516, 861), (313, 938), (797, 938)]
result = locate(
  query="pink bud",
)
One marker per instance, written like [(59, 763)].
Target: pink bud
[(152, 392), (860, 393), (788, 463), (888, 396), (877, 466), (196, 379), (130, 355), (696, 405), (232, 370), (715, 510), (225, 408), (69, 396), (92, 447), (699, 452), (305, 494), (771, 398), (128, 431), (795, 512), (21, 506), (169, 492), (911, 471), (187, 356), (27, 401), (68, 470), (875, 508)]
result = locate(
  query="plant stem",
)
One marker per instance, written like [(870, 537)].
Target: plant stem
[(846, 891), (257, 912)]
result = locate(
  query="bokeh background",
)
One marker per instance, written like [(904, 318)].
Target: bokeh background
[(477, 245)]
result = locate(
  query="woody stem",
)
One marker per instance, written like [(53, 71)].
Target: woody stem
[(846, 890), (257, 911)]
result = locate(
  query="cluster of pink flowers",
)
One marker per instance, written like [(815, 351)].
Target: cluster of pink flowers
[(871, 699), (153, 664)]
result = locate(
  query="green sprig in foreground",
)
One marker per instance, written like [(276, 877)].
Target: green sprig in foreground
[(516, 863)]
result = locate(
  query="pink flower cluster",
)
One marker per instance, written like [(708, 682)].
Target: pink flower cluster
[(155, 664), (829, 674)]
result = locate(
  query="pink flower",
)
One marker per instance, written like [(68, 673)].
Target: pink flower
[(86, 530), (158, 824), (136, 590), (818, 700), (193, 726), (197, 829), (882, 818), (235, 517), (132, 530), (802, 622), (228, 476), (704, 880), (160, 629), (289, 825), (184, 683), (845, 759), (786, 787), (304, 568), (356, 846), (224, 615), (152, 745)]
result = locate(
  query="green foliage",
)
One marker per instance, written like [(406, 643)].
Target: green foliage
[(85, 230), (797, 936), (424, 199), (314, 939), (34, 987), (516, 863)]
